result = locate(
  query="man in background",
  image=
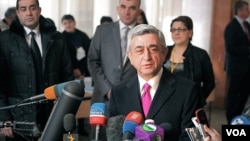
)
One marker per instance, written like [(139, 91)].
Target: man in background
[(9, 16), (107, 60), (237, 60), (78, 42), (33, 56), (106, 19)]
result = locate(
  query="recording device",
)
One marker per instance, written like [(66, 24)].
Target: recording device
[(68, 102), (52, 92), (98, 117), (69, 124), (201, 116), (114, 128), (149, 131), (200, 127), (132, 120)]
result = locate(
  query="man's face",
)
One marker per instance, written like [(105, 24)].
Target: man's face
[(69, 25), (147, 55), (128, 11), (28, 13)]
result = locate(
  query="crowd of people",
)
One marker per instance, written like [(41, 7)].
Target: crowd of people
[(123, 58)]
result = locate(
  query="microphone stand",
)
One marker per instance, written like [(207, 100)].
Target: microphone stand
[(23, 104)]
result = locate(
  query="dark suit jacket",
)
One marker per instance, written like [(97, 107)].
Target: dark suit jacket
[(104, 60), (197, 67), (175, 102), (237, 49)]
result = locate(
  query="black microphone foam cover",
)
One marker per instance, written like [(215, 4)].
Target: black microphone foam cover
[(69, 122), (68, 102), (114, 128)]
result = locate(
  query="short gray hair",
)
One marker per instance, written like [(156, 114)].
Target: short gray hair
[(10, 12), (143, 29)]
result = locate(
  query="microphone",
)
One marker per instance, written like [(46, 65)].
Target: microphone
[(52, 92), (132, 120), (240, 120), (149, 132), (68, 102), (98, 117), (114, 128), (69, 124)]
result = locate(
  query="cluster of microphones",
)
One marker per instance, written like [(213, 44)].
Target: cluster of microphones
[(68, 97), (126, 128), (129, 127)]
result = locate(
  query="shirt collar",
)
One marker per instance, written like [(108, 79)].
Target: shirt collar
[(28, 30), (153, 82), (239, 19), (122, 25)]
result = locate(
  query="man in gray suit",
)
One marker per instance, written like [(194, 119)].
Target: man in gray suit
[(105, 61), (106, 65)]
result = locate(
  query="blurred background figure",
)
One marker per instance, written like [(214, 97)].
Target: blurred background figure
[(79, 45), (142, 19), (237, 60), (9, 16), (106, 19)]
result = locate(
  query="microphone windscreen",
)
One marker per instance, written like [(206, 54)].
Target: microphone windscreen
[(240, 120), (98, 114), (134, 117), (68, 102), (132, 120), (55, 91), (50, 93), (129, 126), (69, 122), (114, 128)]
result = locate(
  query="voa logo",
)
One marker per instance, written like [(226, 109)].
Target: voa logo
[(236, 132)]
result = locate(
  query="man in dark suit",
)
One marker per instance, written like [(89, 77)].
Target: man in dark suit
[(174, 99), (29, 64), (106, 64), (237, 60)]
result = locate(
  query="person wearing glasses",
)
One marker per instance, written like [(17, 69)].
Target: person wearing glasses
[(185, 59)]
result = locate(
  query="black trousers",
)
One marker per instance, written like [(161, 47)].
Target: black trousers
[(238, 90)]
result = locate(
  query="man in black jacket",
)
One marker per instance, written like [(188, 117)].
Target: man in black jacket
[(237, 60), (24, 74)]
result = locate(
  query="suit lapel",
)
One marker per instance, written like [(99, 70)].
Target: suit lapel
[(133, 92), (117, 40), (163, 93)]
